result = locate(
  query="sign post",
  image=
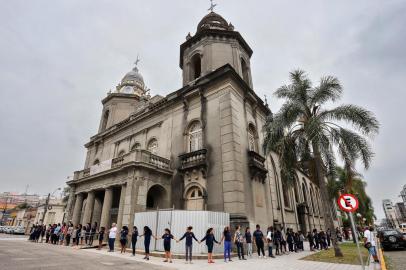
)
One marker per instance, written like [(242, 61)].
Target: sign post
[(348, 203)]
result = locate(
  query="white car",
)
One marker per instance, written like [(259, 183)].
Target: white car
[(19, 230)]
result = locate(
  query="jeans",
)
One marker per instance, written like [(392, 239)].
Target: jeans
[(227, 250), (67, 239), (111, 243), (188, 252), (270, 250), (240, 250), (249, 249), (260, 247)]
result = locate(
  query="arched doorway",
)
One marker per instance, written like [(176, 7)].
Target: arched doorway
[(157, 197)]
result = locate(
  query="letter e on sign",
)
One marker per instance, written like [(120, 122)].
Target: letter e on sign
[(348, 203)]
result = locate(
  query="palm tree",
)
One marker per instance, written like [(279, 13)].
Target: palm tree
[(305, 134)]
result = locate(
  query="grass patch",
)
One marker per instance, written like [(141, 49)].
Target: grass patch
[(349, 251)]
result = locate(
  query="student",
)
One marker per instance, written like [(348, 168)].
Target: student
[(134, 237), (239, 241), (289, 239), (74, 235), (259, 241), (296, 241), (248, 240), (92, 233), (370, 243), (82, 233), (210, 240), (269, 240), (48, 234), (167, 237), (101, 237), (301, 240), (123, 238), (43, 230), (283, 241), (87, 233), (112, 237), (311, 241), (69, 233), (189, 235), (316, 238), (147, 241), (227, 243)]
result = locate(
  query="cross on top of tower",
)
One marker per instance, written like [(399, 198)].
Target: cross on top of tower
[(138, 60), (212, 5)]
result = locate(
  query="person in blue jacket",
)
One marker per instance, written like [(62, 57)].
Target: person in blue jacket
[(167, 237), (147, 241), (227, 243), (210, 240)]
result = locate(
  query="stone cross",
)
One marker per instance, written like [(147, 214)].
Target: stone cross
[(211, 8), (138, 59)]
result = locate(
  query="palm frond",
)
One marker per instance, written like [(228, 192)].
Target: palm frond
[(328, 89)]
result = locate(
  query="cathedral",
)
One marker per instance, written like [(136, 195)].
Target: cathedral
[(197, 148)]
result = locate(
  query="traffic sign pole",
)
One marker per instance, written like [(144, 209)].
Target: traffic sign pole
[(356, 239)]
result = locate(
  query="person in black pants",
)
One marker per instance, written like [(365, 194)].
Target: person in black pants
[(210, 240), (101, 237), (259, 241), (134, 236), (189, 235), (167, 237), (289, 239), (239, 241), (147, 241)]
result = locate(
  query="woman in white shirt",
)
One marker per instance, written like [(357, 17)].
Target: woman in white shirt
[(112, 237)]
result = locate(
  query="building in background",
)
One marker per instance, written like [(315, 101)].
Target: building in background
[(400, 209), (13, 199), (403, 194), (392, 218)]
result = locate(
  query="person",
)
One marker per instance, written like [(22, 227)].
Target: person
[(301, 240), (101, 237), (239, 241), (32, 233), (277, 242), (92, 233), (123, 238), (227, 243), (370, 244), (248, 240), (269, 240), (339, 235), (112, 237), (316, 239), (62, 233), (289, 239), (311, 240), (147, 241), (328, 235), (210, 240), (74, 235), (82, 233), (134, 238), (55, 234), (87, 229), (296, 241), (69, 233), (43, 231), (48, 234), (259, 241), (167, 237), (189, 235), (79, 235)]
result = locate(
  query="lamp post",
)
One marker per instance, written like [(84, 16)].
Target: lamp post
[(46, 205)]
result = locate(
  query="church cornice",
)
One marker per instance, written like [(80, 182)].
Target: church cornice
[(200, 84), (213, 32)]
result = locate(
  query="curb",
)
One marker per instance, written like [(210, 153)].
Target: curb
[(382, 259)]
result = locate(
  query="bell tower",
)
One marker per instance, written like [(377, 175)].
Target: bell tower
[(214, 45)]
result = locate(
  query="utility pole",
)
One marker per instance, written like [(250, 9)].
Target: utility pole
[(45, 208)]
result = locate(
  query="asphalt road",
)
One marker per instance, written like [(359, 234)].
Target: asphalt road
[(18, 254), (396, 259)]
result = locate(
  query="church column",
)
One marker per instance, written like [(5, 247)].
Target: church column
[(89, 207), (70, 204), (107, 203), (78, 209), (120, 210)]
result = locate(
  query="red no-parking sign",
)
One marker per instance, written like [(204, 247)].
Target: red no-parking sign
[(348, 203)]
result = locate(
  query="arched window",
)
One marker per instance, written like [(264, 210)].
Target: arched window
[(194, 199), (286, 196), (196, 66), (121, 153), (252, 138), (136, 146), (153, 146), (105, 119), (244, 70), (195, 137)]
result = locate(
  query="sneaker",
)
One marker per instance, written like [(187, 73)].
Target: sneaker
[(230, 260), (147, 259)]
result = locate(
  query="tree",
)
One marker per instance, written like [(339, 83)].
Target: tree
[(304, 134), (65, 198)]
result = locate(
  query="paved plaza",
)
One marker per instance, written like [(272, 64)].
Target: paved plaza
[(18, 253)]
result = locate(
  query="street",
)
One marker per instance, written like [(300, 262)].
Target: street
[(16, 253), (395, 259)]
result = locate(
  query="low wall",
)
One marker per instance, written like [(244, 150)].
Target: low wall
[(177, 221)]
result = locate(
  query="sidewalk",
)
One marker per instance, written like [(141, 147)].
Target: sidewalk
[(285, 262)]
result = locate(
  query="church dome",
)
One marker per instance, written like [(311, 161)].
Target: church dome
[(133, 76), (213, 21)]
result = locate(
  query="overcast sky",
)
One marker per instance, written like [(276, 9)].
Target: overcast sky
[(58, 59)]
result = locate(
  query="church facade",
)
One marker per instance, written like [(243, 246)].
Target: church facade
[(197, 148)]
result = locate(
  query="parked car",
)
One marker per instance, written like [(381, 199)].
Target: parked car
[(19, 230), (391, 239), (2, 229)]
